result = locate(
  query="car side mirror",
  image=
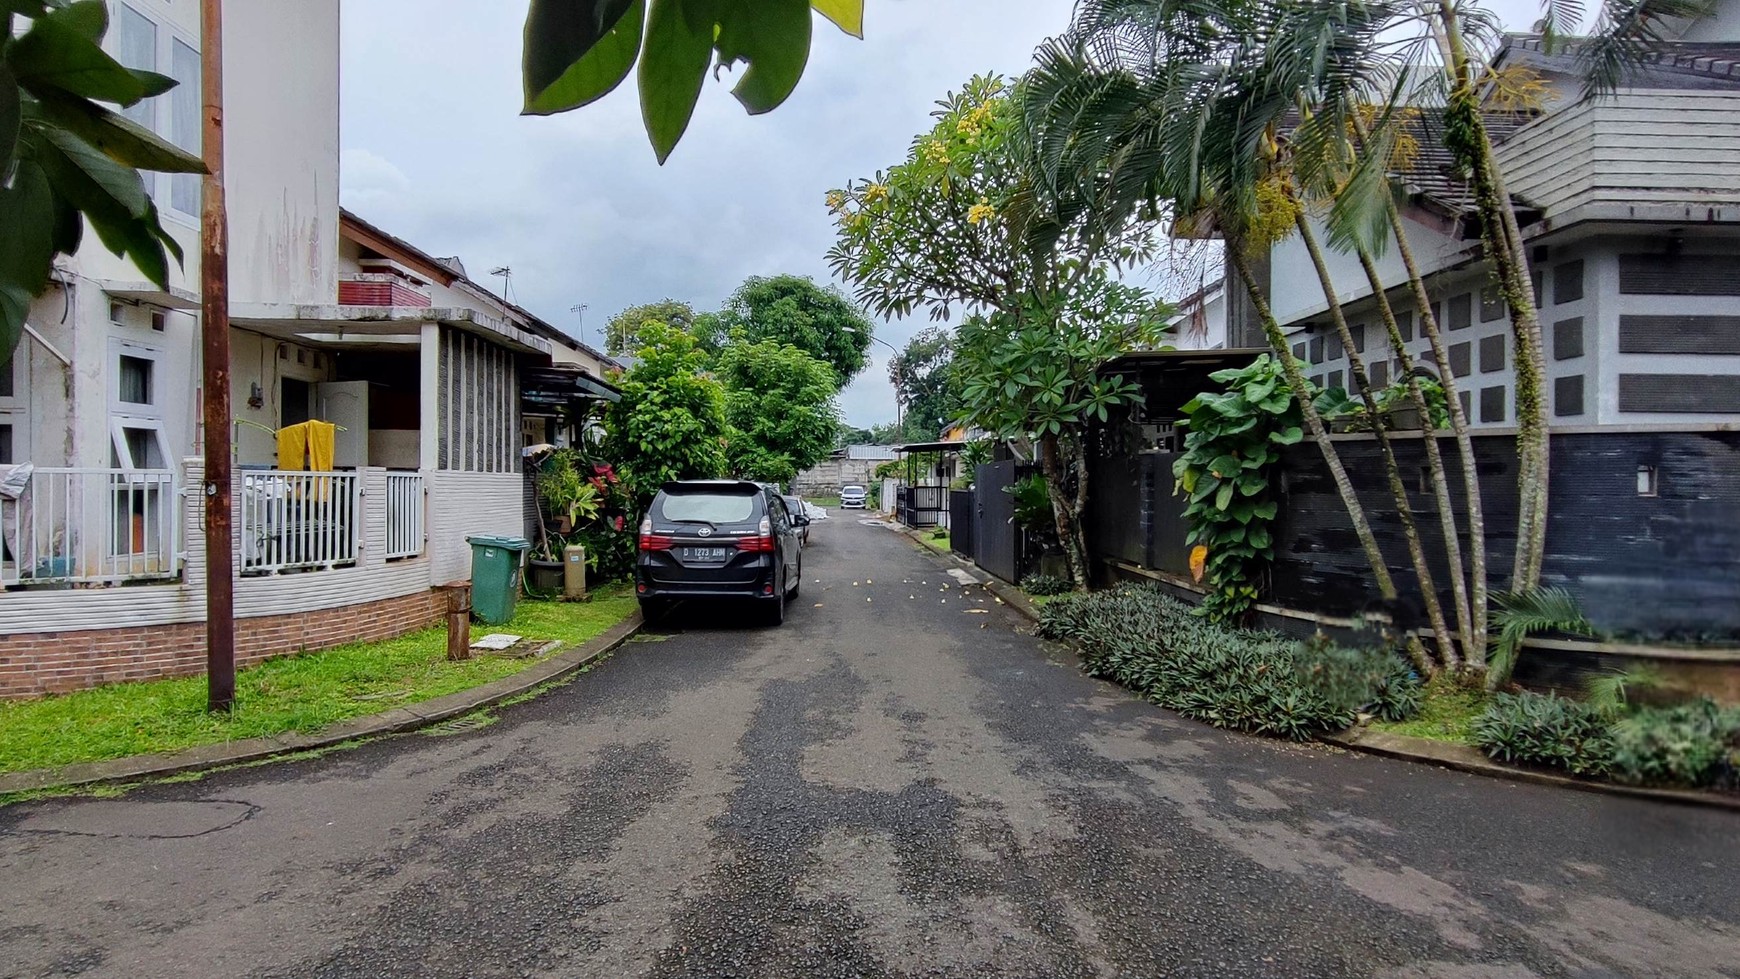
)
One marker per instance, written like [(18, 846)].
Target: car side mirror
[(800, 521)]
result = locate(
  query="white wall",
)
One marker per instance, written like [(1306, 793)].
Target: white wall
[(1297, 293), (281, 149), (462, 504)]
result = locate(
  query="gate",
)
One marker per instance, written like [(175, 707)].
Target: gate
[(995, 536), (961, 523)]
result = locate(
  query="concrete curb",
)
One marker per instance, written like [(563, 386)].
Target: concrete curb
[(1424, 750), (1463, 758), (394, 721)]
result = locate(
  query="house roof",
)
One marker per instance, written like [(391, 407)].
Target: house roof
[(1696, 65), (449, 271)]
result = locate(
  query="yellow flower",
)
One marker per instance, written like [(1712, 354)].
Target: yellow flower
[(982, 211), (836, 200), (936, 152), (874, 193)]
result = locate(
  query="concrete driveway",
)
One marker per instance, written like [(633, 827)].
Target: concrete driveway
[(899, 782)]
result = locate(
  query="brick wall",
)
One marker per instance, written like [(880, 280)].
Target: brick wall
[(33, 664), (371, 293)]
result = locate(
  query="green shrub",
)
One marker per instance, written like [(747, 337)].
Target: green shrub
[(1695, 745), (1044, 584), (1399, 691), (1242, 679), (1549, 730)]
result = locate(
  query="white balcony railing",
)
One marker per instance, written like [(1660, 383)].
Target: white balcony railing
[(297, 521), (404, 515), (91, 526)]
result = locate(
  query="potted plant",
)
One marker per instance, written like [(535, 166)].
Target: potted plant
[(567, 500)]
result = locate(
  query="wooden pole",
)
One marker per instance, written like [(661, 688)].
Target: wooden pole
[(220, 606)]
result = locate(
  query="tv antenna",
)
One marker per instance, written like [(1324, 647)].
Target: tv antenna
[(507, 275)]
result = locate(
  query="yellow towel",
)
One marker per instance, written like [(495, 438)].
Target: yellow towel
[(292, 447), (321, 436)]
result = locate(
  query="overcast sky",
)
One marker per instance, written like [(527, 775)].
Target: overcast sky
[(435, 151)]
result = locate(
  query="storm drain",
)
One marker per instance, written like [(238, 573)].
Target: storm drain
[(461, 725)]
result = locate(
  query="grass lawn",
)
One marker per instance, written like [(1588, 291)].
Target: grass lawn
[(938, 540), (1447, 713), (828, 503), (294, 693)]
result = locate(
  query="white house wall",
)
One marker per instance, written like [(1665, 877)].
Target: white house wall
[(281, 82), (1296, 293), (463, 504)]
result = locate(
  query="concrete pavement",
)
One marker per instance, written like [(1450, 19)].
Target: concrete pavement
[(898, 782)]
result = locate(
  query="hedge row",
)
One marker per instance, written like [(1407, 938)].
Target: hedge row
[(1694, 745)]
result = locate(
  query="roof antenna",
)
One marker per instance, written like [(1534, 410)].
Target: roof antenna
[(507, 275)]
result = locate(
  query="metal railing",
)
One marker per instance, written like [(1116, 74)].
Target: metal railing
[(404, 515), (91, 526), (298, 521)]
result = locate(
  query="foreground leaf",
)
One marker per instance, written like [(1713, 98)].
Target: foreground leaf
[(679, 47), (562, 34), (847, 15), (773, 36)]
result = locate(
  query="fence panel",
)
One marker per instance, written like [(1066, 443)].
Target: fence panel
[(91, 526), (294, 521), (405, 515)]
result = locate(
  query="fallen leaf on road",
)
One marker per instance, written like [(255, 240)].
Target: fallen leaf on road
[(978, 611), (818, 605), (867, 581)]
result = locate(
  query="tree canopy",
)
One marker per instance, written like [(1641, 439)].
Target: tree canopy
[(924, 381), (670, 422), (792, 309), (622, 331), (779, 402)]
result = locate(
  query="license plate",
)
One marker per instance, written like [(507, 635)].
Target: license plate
[(706, 553)]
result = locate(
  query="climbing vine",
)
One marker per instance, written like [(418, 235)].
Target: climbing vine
[(1227, 474)]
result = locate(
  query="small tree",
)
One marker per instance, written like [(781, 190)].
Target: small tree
[(670, 422), (963, 222), (1037, 375), (779, 403)]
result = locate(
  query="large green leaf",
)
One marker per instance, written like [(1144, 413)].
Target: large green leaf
[(27, 214), (773, 36), (59, 53), (14, 307), (122, 139), (559, 35), (599, 71), (847, 15), (679, 47), (95, 184), (11, 115)]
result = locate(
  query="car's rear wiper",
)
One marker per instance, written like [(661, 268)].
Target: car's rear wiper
[(707, 522)]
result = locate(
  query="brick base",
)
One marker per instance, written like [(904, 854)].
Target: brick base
[(37, 663)]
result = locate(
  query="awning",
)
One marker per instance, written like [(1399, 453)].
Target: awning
[(931, 447), (562, 385)]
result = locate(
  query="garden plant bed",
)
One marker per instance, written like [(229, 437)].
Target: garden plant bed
[(292, 695)]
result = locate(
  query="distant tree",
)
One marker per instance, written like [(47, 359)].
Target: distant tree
[(779, 402), (622, 332), (924, 380), (818, 320), (850, 435), (888, 433), (670, 422)]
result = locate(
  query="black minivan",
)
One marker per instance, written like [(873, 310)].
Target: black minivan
[(718, 538)]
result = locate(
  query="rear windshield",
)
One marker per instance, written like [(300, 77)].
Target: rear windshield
[(714, 508), (851, 489)]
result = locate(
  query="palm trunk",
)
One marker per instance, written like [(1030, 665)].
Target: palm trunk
[(1503, 243), (1404, 507), (1477, 584), (1314, 424), (1465, 635)]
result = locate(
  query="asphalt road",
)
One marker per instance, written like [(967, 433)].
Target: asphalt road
[(897, 783)]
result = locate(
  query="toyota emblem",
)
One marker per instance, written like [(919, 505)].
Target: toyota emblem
[(705, 531)]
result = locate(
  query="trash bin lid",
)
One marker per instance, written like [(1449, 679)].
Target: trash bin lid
[(505, 543)]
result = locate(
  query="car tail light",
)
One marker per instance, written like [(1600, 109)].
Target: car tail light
[(650, 541), (762, 542)]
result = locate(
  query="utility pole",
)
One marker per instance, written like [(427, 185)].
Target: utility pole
[(214, 271)]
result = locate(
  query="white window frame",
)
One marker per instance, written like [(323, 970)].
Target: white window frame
[(159, 185), (118, 348), (15, 409), (118, 438)]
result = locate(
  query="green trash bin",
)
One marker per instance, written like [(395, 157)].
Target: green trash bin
[(495, 576)]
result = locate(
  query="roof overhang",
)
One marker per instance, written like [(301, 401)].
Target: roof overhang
[(340, 325), (931, 447), (146, 292), (563, 385)]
